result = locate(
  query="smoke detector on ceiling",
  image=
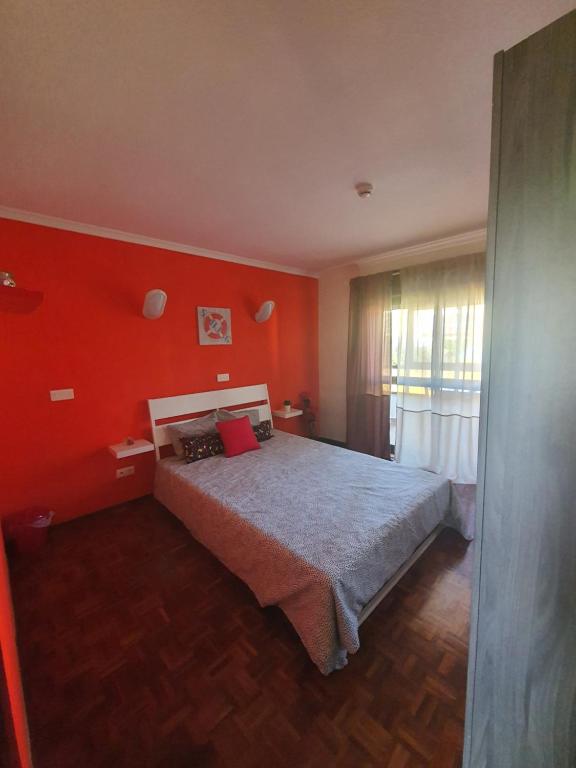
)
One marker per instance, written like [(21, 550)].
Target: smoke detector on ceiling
[(364, 189)]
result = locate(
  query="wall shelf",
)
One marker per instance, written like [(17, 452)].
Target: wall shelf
[(288, 414), (124, 450), (19, 299)]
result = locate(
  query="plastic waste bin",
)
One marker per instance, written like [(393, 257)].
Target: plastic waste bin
[(29, 528)]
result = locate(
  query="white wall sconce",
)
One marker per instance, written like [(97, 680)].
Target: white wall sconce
[(265, 312), (154, 304)]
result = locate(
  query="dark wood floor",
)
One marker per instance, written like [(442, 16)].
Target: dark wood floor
[(139, 649)]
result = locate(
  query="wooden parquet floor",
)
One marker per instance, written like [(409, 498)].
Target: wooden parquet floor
[(140, 649)]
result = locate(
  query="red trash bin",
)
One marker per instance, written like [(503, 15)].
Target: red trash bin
[(29, 528)]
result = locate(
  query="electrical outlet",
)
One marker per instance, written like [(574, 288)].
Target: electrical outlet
[(61, 394), (222, 377), (124, 472)]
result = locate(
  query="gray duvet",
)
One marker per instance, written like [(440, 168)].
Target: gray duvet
[(312, 528)]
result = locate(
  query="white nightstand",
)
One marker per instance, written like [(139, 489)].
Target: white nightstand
[(123, 450), (287, 414)]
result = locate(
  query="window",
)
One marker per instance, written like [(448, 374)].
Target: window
[(452, 364)]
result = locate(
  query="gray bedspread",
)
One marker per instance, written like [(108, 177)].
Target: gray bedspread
[(312, 528)]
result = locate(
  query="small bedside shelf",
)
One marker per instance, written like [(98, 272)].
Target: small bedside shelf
[(287, 414), (123, 450)]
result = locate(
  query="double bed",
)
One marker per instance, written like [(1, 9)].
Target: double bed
[(318, 530)]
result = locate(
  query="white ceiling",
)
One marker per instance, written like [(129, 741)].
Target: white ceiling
[(243, 125)]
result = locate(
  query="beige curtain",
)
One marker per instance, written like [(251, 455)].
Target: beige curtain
[(369, 359), (437, 365)]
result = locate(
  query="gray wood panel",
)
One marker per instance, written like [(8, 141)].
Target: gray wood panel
[(486, 357), (522, 687)]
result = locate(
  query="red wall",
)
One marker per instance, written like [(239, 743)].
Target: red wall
[(89, 334), (15, 716)]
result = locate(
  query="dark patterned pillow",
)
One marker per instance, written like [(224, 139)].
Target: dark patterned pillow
[(202, 447), (205, 446), (263, 431)]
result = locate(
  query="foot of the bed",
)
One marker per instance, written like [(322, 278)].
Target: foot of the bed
[(391, 583)]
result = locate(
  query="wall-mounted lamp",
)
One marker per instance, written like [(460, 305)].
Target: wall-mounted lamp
[(265, 312), (154, 304)]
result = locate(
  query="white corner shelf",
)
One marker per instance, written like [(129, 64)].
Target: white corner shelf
[(287, 414), (123, 450)]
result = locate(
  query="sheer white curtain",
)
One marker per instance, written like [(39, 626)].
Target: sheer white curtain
[(437, 333)]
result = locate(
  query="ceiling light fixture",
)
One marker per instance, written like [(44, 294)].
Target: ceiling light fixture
[(364, 189)]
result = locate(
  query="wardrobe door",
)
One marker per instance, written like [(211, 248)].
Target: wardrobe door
[(522, 677)]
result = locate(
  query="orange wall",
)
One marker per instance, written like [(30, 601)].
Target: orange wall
[(89, 334)]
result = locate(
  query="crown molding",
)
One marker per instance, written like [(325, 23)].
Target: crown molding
[(473, 239), (54, 222), (455, 245)]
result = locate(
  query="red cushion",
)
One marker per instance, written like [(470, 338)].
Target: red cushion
[(238, 436)]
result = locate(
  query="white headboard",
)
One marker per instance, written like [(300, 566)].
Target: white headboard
[(186, 406)]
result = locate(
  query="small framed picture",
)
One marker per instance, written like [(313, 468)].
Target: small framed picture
[(214, 325)]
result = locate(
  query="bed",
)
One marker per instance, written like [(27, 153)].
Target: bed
[(320, 531)]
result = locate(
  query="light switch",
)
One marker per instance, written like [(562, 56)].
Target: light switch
[(222, 377), (61, 394)]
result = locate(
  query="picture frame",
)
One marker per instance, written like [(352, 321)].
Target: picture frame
[(214, 325)]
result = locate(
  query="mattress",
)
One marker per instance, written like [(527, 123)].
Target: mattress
[(310, 527)]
